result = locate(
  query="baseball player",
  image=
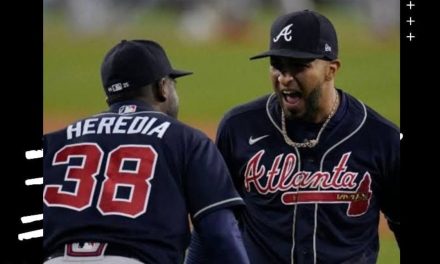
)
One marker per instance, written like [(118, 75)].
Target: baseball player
[(119, 185), (314, 165)]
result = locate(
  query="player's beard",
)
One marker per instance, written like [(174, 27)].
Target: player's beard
[(311, 104)]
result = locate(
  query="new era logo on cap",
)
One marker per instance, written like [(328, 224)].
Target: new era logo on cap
[(327, 47), (304, 35)]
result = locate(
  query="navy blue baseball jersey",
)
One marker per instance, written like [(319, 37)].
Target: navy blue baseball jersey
[(312, 205), (130, 177)]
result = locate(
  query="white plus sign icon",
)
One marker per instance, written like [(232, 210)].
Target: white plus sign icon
[(410, 21), (410, 5), (410, 36)]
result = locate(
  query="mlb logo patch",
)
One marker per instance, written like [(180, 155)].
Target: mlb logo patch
[(127, 109)]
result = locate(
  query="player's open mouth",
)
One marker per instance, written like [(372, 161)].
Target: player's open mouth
[(291, 98)]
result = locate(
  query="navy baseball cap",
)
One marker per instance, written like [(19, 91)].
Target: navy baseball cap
[(304, 35), (132, 64)]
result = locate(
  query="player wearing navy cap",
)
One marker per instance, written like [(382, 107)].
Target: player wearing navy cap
[(314, 165), (119, 185)]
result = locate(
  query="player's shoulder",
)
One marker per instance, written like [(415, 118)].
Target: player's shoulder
[(374, 122), (60, 132), (189, 131), (57, 138), (380, 121), (246, 111), (177, 129)]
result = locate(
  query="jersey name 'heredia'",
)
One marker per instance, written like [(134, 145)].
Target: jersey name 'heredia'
[(118, 125)]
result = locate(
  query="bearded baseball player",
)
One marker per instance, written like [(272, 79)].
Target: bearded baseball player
[(119, 185), (314, 165)]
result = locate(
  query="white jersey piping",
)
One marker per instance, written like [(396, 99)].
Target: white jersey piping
[(216, 204), (320, 168), (292, 251)]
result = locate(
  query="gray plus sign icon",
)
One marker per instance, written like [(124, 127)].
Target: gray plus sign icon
[(410, 21)]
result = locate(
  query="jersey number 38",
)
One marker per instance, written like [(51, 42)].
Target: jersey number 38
[(116, 175)]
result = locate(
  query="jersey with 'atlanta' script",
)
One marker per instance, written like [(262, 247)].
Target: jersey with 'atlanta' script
[(313, 205)]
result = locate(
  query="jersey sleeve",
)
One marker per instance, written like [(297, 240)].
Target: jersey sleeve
[(390, 191), (208, 184), (391, 207), (224, 142), (213, 235)]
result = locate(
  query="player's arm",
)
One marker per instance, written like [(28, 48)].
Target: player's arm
[(211, 195), (395, 227), (393, 212), (390, 191), (216, 239), (224, 143)]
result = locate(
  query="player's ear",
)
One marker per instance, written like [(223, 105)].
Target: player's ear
[(160, 91), (332, 68)]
